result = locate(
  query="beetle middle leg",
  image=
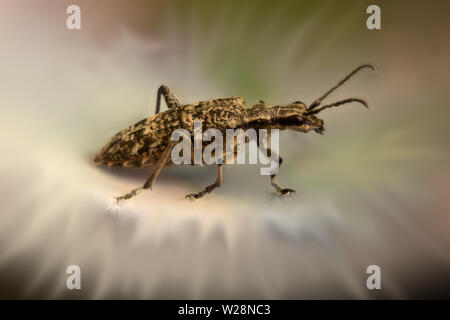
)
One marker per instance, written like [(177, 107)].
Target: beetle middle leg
[(148, 184), (209, 188), (169, 97)]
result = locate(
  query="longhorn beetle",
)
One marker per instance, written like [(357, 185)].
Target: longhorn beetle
[(148, 142)]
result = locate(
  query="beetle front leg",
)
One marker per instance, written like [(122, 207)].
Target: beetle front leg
[(209, 188), (169, 97), (148, 184)]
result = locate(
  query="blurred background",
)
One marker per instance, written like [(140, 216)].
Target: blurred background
[(373, 190)]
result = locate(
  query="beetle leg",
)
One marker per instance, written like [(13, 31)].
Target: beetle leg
[(148, 184), (316, 103), (169, 97), (273, 180), (209, 188)]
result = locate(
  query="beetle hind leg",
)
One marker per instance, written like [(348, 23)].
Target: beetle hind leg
[(208, 189), (169, 97), (273, 181)]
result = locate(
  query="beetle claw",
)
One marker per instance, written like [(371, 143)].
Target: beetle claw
[(193, 196)]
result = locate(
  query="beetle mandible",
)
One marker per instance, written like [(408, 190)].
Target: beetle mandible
[(148, 142)]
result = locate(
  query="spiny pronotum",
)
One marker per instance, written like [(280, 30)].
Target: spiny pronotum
[(147, 143)]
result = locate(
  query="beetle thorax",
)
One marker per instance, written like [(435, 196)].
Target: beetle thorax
[(263, 116)]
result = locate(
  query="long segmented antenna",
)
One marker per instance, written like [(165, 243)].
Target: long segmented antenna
[(338, 103), (316, 103)]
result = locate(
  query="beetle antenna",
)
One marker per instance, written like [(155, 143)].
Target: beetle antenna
[(316, 103), (338, 103)]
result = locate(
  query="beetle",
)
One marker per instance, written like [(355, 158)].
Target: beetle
[(148, 142)]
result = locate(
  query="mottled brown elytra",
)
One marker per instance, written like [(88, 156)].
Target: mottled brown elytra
[(148, 142)]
